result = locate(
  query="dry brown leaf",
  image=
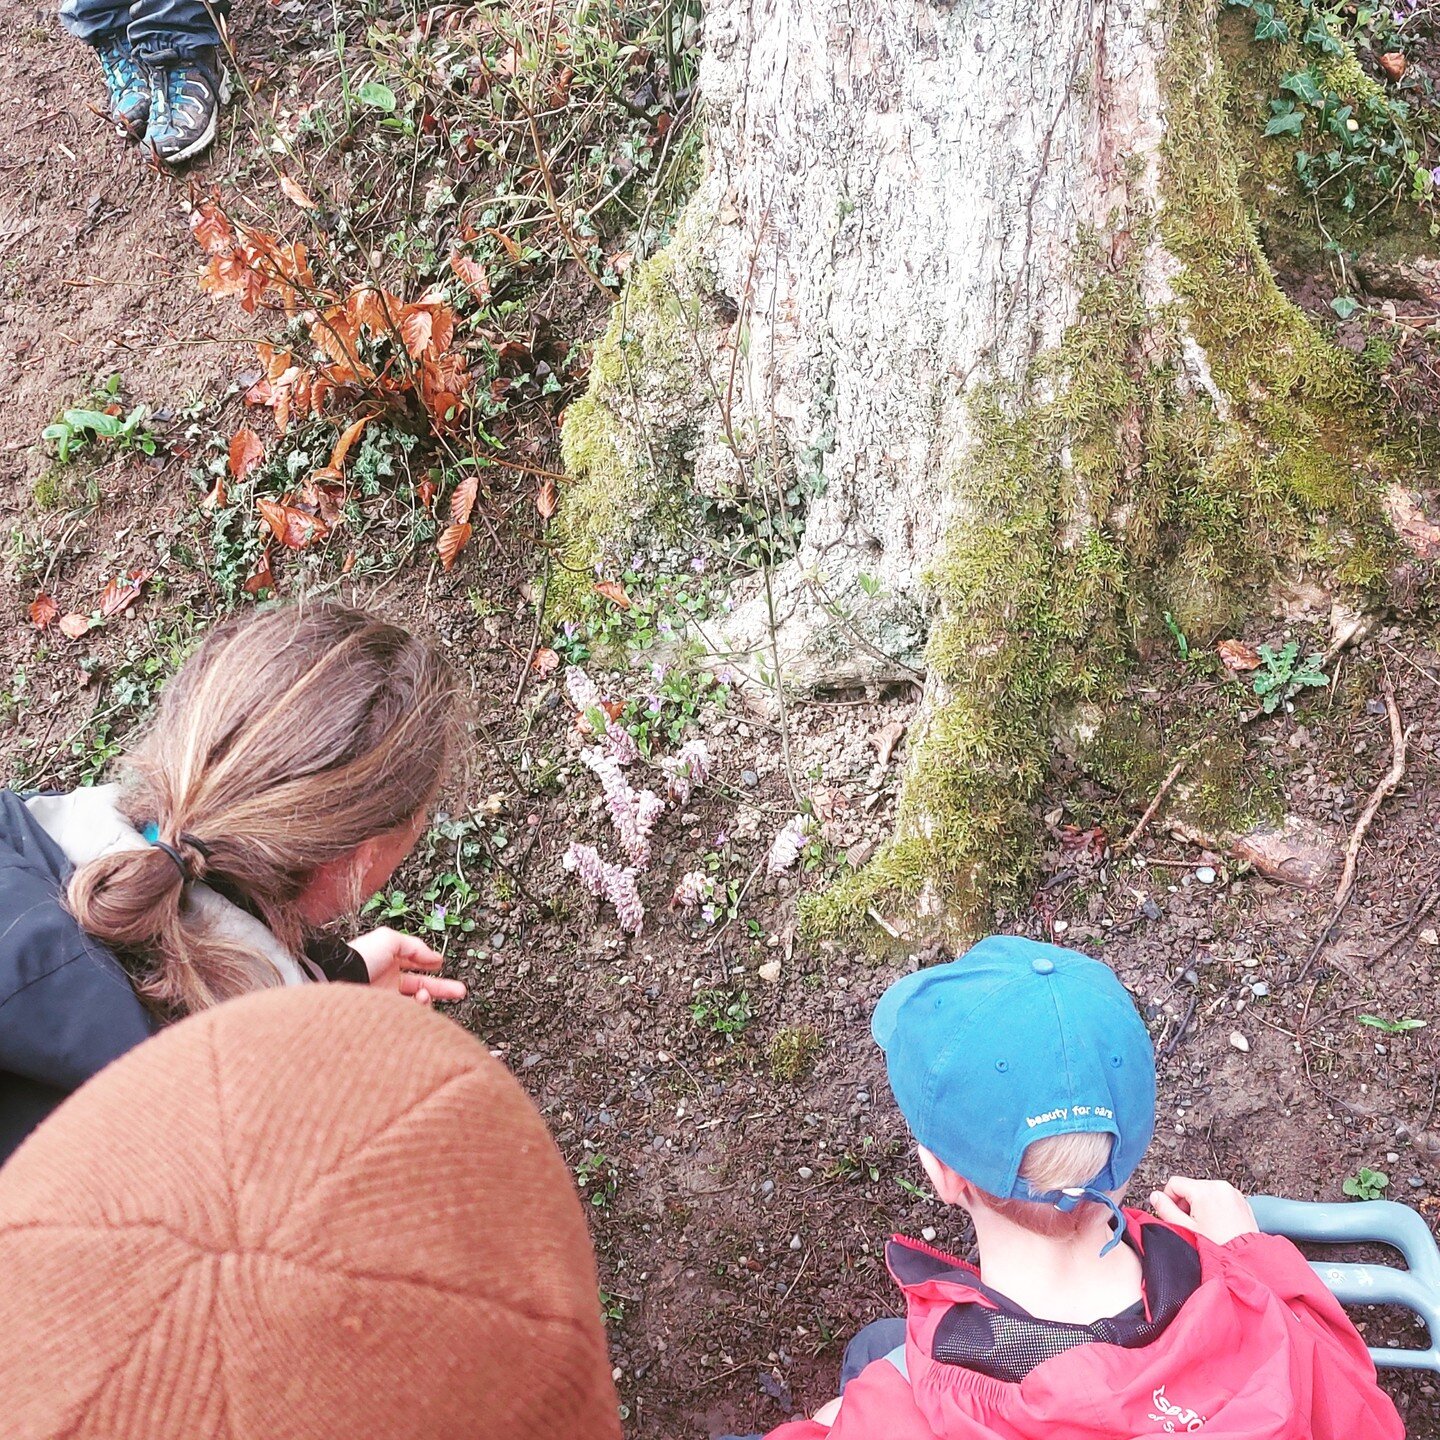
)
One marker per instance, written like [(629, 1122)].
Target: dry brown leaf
[(349, 564), (263, 577), (211, 229), (614, 591), (416, 329), (348, 437), (295, 194), (452, 541), (547, 499), (426, 491), (462, 502), (247, 450), (292, 527), (471, 274), (1236, 655), (75, 624), (218, 498), (511, 249), (1394, 64), (122, 592), (43, 611), (546, 662)]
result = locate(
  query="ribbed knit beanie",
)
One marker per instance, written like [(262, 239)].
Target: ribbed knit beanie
[(313, 1214)]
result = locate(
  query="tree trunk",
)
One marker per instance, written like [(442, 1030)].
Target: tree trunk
[(979, 330)]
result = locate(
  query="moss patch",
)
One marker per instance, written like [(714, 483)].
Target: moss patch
[(1122, 491)]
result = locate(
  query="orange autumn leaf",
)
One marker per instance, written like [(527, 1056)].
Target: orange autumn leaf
[(349, 564), (263, 577), (295, 194), (348, 437), (218, 498), (43, 611), (211, 229), (292, 527), (75, 624), (1236, 655), (511, 249), (122, 592), (612, 590), (471, 274), (546, 662), (452, 541), (462, 502), (247, 450), (548, 498), (416, 327), (426, 491)]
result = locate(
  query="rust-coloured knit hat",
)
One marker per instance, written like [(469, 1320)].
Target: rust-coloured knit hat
[(312, 1214)]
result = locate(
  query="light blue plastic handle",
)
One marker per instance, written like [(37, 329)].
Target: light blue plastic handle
[(1389, 1223)]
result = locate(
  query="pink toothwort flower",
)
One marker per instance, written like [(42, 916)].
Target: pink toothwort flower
[(687, 768), (619, 745), (583, 691), (633, 812), (693, 890), (607, 882), (786, 847)]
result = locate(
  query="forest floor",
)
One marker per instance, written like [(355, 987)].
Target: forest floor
[(710, 1080)]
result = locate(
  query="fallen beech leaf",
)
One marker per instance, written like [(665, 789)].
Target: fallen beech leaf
[(263, 577), (471, 274), (292, 527), (295, 194), (1237, 655), (122, 592), (548, 499), (348, 437), (452, 541), (75, 624), (416, 330), (462, 502), (247, 450), (546, 662), (1394, 64), (349, 564), (43, 610), (511, 249), (218, 498), (212, 231), (612, 590), (613, 709), (426, 490)]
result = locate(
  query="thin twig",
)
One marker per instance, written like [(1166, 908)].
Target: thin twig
[(535, 634), (1154, 805)]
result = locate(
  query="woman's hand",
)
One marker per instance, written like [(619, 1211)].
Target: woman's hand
[(828, 1413), (1211, 1208), (392, 960)]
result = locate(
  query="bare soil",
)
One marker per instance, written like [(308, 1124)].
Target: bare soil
[(740, 1210)]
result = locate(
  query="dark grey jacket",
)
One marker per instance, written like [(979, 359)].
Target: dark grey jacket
[(66, 1005)]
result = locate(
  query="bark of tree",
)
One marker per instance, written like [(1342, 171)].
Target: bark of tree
[(969, 290)]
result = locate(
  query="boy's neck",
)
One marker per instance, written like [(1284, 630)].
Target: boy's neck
[(1063, 1279)]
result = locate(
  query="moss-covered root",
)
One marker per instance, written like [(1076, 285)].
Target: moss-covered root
[(626, 442)]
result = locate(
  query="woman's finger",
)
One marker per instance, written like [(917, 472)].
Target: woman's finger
[(436, 986), (415, 954)]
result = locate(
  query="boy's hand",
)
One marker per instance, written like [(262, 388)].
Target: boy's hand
[(392, 960), (1212, 1208), (827, 1413)]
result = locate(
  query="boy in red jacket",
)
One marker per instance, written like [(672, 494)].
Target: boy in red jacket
[(1028, 1080)]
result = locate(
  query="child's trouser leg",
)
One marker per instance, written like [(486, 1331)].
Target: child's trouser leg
[(164, 32), (94, 20), (873, 1343)]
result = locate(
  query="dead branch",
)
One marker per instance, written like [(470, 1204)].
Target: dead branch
[(1154, 805)]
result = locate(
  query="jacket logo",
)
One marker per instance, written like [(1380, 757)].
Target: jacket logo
[(1173, 1419)]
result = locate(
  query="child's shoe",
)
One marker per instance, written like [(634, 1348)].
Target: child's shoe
[(127, 84), (185, 101)]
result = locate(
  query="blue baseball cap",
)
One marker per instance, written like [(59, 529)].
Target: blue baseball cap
[(1012, 1042)]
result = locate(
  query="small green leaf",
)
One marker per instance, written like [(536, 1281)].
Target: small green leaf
[(1344, 306), (377, 96), (1305, 86), (1285, 124)]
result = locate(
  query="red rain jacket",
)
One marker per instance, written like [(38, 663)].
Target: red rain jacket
[(1260, 1351)]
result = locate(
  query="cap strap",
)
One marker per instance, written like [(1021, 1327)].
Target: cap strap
[(1072, 1197)]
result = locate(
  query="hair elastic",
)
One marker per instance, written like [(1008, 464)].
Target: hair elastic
[(152, 833)]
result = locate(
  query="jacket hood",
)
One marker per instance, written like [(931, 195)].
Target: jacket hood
[(87, 824)]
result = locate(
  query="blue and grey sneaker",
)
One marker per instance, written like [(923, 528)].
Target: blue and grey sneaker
[(185, 100), (128, 86)]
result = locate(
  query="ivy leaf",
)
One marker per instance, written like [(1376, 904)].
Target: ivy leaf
[(1269, 26), (377, 96), (1285, 124), (1304, 86), (1344, 306)]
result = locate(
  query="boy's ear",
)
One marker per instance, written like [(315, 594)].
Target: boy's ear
[(950, 1188)]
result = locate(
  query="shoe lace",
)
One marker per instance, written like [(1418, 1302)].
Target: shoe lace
[(118, 62), (176, 79)]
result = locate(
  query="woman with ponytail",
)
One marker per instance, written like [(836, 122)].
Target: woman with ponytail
[(287, 773)]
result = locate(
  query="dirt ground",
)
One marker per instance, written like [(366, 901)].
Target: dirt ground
[(733, 1128)]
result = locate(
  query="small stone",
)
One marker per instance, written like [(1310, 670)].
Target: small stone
[(1061, 926), (749, 779), (1259, 989), (770, 971), (767, 1187), (805, 1173), (1149, 909), (497, 940), (1205, 874), (1429, 937), (1391, 1156), (928, 1234), (1416, 1182), (796, 1242), (1239, 1042)]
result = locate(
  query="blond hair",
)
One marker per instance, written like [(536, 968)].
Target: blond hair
[(286, 740), (1056, 1162)]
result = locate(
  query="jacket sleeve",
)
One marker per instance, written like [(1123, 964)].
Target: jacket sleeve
[(1348, 1401)]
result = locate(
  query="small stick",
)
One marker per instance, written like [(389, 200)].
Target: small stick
[(1399, 739), (1149, 814)]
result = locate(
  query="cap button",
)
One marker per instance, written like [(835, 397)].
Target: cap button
[(1042, 967)]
